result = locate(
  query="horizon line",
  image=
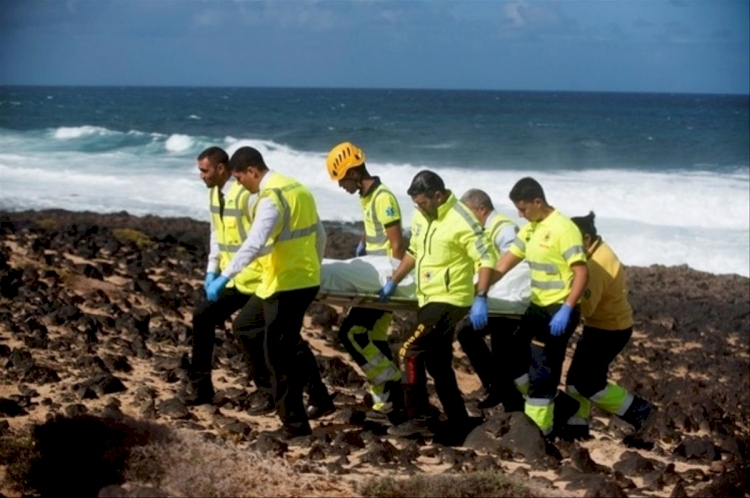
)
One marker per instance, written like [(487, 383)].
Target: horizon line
[(363, 88)]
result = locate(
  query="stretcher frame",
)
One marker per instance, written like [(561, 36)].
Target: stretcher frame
[(358, 300)]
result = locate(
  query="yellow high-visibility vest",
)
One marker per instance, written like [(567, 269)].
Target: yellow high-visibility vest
[(380, 208), (290, 258), (447, 250), (231, 231), (550, 247)]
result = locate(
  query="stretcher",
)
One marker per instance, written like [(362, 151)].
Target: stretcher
[(356, 282)]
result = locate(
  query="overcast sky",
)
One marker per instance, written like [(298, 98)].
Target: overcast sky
[(592, 45)]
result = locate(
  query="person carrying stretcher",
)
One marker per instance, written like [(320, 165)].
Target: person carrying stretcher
[(447, 245), (364, 332)]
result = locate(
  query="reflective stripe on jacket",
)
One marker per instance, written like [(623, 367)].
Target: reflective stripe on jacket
[(447, 250), (290, 259), (380, 208), (550, 247), (231, 231)]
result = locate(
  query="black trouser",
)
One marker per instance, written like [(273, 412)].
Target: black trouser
[(508, 360), (431, 346), (594, 352), (273, 326), (206, 317), (547, 351)]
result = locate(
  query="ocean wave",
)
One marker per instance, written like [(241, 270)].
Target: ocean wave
[(178, 143), (67, 133), (700, 218)]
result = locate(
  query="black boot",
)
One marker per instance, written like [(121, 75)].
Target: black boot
[(260, 403), (320, 407), (200, 389), (565, 407), (639, 413)]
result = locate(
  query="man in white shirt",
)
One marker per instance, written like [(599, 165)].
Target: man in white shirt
[(230, 207), (288, 239), (504, 370)]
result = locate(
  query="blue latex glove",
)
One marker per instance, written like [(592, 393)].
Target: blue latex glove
[(478, 314), (210, 277), (214, 288), (361, 249), (385, 293), (559, 322)]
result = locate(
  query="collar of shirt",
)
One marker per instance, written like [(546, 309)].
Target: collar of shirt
[(265, 179), (597, 243), (227, 185), (490, 216), (375, 183), (446, 206)]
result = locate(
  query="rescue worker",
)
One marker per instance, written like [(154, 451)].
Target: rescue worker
[(504, 372), (447, 245), (230, 204), (364, 332), (608, 325), (288, 239), (553, 247)]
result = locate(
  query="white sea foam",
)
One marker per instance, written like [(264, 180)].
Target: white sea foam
[(178, 143), (699, 219), (66, 133)]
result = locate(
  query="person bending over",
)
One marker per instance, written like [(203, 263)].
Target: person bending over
[(607, 328)]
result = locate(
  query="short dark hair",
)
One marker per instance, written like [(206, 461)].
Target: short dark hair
[(215, 155), (527, 189), (361, 171), (247, 157), (586, 224), (426, 182)]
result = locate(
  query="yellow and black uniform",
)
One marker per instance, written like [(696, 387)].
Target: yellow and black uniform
[(273, 317), (446, 251), (381, 211), (608, 325), (364, 332), (231, 221), (550, 247)]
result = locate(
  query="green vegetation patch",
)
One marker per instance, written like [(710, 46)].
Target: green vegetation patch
[(448, 486), (47, 224), (130, 235)]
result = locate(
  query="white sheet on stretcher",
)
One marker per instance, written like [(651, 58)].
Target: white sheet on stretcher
[(366, 275)]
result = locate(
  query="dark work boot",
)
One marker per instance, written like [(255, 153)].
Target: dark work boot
[(319, 408), (565, 407), (260, 403), (200, 389), (639, 413), (420, 426)]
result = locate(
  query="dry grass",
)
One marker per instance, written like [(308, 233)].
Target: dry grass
[(79, 456), (449, 486), (190, 466)]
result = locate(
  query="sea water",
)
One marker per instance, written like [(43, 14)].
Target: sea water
[(667, 175)]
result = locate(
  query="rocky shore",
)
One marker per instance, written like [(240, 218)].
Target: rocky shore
[(95, 328)]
